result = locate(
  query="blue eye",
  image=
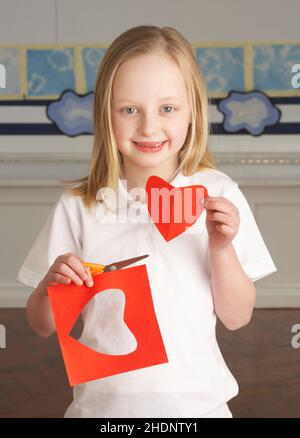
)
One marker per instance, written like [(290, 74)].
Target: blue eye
[(131, 107), (125, 109), (169, 106)]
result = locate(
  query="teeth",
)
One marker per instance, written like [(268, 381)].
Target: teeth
[(151, 146)]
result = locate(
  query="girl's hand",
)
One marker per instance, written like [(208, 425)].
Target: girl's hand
[(66, 268), (222, 222)]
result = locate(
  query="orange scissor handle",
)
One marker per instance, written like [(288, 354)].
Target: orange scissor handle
[(94, 268)]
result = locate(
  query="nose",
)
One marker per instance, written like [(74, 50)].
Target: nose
[(149, 124)]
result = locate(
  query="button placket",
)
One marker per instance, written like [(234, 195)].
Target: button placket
[(149, 233)]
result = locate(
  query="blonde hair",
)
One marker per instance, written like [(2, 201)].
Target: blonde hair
[(106, 160)]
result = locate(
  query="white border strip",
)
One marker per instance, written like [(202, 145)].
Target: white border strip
[(37, 114)]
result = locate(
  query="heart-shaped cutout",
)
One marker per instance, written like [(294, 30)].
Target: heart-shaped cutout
[(173, 209), (105, 330)]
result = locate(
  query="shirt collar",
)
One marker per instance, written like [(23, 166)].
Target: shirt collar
[(122, 199)]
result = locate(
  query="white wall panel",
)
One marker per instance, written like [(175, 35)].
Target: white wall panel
[(206, 20), (27, 22)]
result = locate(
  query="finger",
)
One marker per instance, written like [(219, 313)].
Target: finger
[(211, 199), (77, 266), (65, 270), (57, 278), (225, 229), (90, 280), (216, 198), (222, 207), (223, 218), (221, 204)]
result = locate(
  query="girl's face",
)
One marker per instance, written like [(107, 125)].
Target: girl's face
[(150, 104)]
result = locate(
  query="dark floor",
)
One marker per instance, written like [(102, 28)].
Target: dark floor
[(33, 382)]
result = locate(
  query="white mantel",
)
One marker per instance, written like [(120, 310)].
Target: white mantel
[(268, 159), (266, 168)]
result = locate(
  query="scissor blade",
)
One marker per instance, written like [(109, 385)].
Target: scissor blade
[(123, 263)]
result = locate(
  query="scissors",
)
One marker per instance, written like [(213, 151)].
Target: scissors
[(96, 268)]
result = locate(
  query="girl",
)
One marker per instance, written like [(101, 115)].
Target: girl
[(150, 117)]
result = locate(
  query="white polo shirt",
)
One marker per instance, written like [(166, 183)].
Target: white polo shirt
[(196, 381)]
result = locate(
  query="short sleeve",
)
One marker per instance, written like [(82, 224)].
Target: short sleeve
[(60, 234), (249, 245)]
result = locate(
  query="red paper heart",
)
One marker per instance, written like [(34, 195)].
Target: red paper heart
[(173, 209)]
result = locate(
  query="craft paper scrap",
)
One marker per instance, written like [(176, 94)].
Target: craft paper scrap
[(173, 209), (83, 363)]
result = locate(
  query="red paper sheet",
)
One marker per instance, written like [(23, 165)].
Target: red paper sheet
[(83, 363)]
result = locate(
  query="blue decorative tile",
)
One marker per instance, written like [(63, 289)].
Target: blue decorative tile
[(50, 72), (222, 67), (92, 58), (272, 68)]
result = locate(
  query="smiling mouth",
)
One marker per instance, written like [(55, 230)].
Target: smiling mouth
[(150, 145)]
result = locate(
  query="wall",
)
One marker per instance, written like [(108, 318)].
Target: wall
[(266, 168), (60, 21)]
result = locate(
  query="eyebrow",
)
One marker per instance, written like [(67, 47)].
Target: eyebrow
[(159, 100)]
